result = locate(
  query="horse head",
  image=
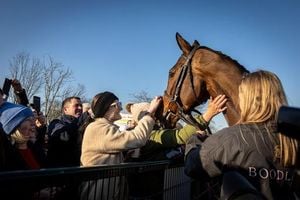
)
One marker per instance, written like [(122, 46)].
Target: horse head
[(199, 73)]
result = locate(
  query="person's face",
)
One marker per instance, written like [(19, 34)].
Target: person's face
[(86, 108), (27, 128), (73, 108), (113, 113)]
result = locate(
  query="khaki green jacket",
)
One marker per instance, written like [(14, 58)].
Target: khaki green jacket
[(164, 139)]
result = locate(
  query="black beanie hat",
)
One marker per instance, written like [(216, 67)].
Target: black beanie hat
[(102, 102)]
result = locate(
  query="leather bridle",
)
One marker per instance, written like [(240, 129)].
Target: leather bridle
[(175, 100)]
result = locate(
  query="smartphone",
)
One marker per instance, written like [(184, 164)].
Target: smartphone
[(6, 86), (37, 104)]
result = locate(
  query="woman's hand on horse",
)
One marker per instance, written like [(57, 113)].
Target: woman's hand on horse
[(154, 105), (215, 106)]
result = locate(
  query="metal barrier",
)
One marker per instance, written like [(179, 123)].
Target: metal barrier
[(145, 180)]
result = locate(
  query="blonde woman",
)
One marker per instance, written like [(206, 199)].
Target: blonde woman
[(17, 122), (254, 147)]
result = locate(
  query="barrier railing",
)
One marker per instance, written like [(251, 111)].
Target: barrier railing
[(145, 180)]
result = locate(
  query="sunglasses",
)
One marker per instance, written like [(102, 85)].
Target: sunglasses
[(117, 104)]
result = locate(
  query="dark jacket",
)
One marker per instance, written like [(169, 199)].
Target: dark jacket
[(64, 145), (7, 153), (11, 159), (41, 140), (249, 149)]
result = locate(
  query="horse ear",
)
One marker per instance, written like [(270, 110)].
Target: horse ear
[(196, 43), (183, 44)]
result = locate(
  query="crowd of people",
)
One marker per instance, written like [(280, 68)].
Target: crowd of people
[(89, 137)]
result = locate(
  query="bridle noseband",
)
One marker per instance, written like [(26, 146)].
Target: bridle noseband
[(175, 99)]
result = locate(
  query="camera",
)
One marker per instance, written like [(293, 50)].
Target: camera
[(289, 121)]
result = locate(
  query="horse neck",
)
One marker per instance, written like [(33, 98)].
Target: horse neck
[(231, 114), (228, 85)]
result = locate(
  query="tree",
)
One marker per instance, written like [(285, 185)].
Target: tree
[(28, 71), (55, 77), (56, 88), (46, 77), (141, 96), (70, 91)]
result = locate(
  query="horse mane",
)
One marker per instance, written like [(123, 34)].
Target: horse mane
[(220, 53), (241, 67)]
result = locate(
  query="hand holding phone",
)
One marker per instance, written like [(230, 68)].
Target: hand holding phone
[(37, 104), (16, 85), (6, 87)]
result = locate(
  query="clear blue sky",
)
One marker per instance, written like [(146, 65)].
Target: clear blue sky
[(128, 46)]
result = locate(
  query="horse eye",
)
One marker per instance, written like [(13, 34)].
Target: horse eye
[(172, 107)]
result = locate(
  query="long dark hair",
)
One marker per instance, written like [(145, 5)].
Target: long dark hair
[(88, 119), (100, 104)]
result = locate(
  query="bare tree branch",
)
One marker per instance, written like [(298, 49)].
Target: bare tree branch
[(55, 78), (52, 76), (71, 91), (28, 72), (141, 96)]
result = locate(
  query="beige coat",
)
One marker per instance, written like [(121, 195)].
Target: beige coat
[(103, 143)]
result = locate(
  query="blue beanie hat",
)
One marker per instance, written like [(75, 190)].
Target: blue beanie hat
[(12, 115)]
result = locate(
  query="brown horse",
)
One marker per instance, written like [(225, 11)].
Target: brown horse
[(200, 72)]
